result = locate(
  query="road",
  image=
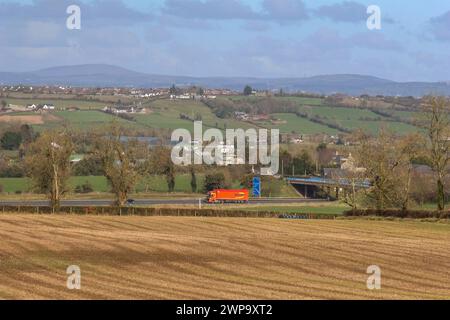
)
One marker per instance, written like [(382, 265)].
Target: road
[(148, 202)]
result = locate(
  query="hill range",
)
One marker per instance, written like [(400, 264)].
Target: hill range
[(101, 75)]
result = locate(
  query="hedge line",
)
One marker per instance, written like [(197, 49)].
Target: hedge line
[(413, 214), (132, 211)]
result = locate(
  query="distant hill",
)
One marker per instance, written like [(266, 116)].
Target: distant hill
[(100, 75)]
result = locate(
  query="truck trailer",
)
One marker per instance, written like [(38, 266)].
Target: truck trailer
[(228, 196)]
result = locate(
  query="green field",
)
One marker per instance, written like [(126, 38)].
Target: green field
[(165, 114), (90, 119), (354, 118), (294, 123), (276, 188), (100, 184), (304, 101)]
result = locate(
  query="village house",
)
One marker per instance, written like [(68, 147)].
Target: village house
[(48, 107), (241, 115), (297, 140), (45, 107), (181, 97), (123, 109)]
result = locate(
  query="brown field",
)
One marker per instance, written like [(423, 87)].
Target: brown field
[(23, 119), (221, 258)]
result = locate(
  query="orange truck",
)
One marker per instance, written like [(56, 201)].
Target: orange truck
[(228, 196)]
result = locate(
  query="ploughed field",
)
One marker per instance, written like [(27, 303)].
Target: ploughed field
[(221, 258)]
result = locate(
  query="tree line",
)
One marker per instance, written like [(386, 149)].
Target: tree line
[(388, 162)]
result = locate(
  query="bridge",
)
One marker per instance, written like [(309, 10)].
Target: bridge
[(311, 187)]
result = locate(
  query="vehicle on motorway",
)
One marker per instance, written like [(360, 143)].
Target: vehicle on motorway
[(228, 196), (130, 202)]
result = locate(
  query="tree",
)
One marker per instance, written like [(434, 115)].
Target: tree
[(303, 164), (200, 91), (214, 181), (193, 180), (48, 164), (388, 161), (89, 166), (248, 90), (410, 147), (351, 178), (161, 163), (173, 89), (437, 111), (4, 104), (11, 140), (27, 133), (119, 163)]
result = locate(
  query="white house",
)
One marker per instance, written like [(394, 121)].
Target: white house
[(48, 107)]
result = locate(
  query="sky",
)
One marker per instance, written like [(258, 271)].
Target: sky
[(250, 38)]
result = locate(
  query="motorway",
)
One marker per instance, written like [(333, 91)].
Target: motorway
[(150, 202)]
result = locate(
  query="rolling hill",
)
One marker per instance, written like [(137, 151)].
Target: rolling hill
[(100, 75)]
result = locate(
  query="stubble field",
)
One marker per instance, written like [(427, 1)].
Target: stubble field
[(221, 258)]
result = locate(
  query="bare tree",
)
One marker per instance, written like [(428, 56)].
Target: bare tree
[(48, 164), (351, 182), (119, 162), (409, 148), (437, 111), (388, 161)]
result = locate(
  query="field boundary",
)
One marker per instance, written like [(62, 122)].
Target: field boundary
[(412, 214), (169, 212)]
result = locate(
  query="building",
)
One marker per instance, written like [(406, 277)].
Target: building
[(48, 107), (45, 107), (241, 115), (122, 109)]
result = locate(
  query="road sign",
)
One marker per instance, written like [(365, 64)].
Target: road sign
[(257, 187)]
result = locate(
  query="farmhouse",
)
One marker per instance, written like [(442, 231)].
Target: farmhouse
[(48, 107), (241, 115), (122, 109), (45, 107), (181, 96)]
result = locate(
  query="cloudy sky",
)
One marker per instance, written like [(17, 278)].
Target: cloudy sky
[(260, 38)]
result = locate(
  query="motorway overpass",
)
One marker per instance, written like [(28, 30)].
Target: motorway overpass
[(310, 187)]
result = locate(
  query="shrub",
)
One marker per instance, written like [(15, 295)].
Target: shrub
[(84, 188), (214, 181), (12, 171), (11, 140), (413, 214)]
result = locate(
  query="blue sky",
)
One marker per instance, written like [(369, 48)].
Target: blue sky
[(260, 38)]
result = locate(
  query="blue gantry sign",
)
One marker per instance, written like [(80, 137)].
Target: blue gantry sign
[(257, 187)]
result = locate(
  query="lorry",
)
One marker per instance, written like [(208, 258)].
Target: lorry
[(228, 196)]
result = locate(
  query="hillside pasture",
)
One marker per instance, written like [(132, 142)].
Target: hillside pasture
[(292, 123), (165, 114), (354, 118)]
